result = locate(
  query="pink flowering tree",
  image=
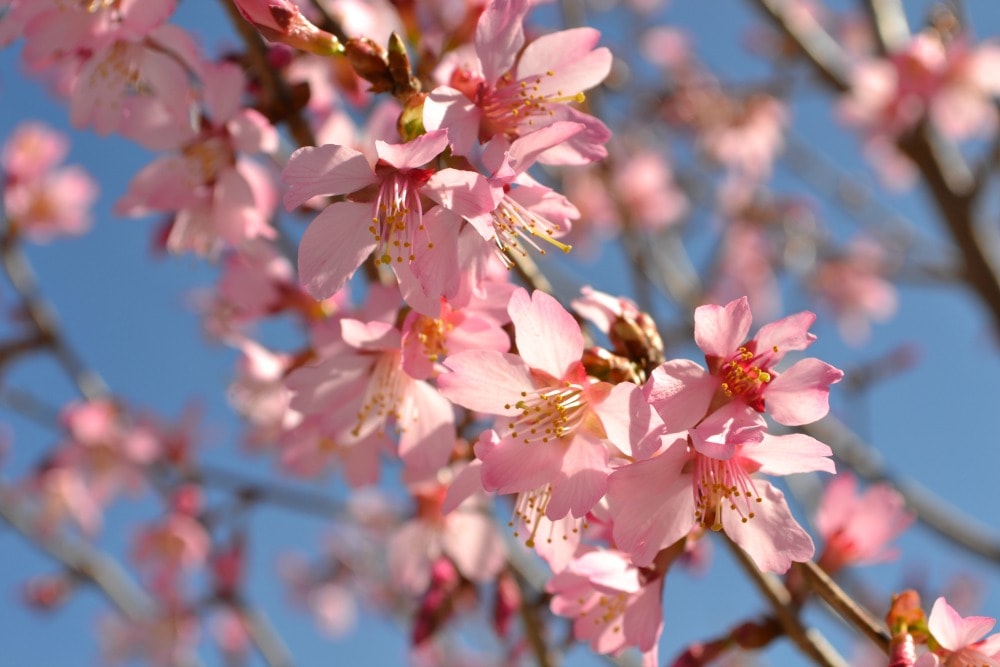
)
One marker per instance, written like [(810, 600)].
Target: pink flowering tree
[(499, 332)]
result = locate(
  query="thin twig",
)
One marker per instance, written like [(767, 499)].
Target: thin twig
[(809, 640), (843, 604)]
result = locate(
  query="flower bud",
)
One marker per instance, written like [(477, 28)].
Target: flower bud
[(281, 21), (371, 62)]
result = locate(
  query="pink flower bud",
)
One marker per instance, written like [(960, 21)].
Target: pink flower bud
[(281, 21)]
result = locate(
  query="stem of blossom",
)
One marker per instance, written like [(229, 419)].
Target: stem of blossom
[(847, 608), (809, 640), (43, 317)]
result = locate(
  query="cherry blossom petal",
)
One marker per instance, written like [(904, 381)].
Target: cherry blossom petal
[(333, 247), (583, 478), (485, 381), (514, 466), (652, 503), (564, 63), (500, 36), (789, 333), (801, 394), (772, 538), (629, 421), (466, 482), (791, 454), (472, 541), (447, 107), (416, 153), (720, 330), (370, 336), (953, 631), (548, 338), (467, 193), (428, 429), (681, 391), (325, 170)]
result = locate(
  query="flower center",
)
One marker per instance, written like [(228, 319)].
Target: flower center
[(721, 485), (551, 412), (398, 218), (745, 375), (513, 103), (433, 336)]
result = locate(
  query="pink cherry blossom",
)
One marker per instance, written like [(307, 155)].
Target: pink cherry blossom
[(857, 527), (660, 500), (382, 213), (961, 640), (217, 195), (281, 21), (509, 92), (558, 427), (614, 605), (746, 371)]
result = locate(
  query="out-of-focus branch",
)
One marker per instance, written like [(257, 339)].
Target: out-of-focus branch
[(263, 635), (843, 604), (84, 562), (809, 640), (43, 317), (942, 166), (820, 49), (888, 18), (931, 510)]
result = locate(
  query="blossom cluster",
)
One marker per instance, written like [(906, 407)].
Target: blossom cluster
[(447, 364)]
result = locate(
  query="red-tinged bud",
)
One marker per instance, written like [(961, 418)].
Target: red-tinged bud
[(609, 367), (47, 592), (405, 85), (438, 603), (636, 337), (227, 566), (905, 614), (698, 655), (371, 62), (902, 651), (281, 21), (508, 601)]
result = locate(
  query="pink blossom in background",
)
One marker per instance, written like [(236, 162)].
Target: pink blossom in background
[(613, 604), (40, 199), (962, 640), (858, 528), (856, 288)]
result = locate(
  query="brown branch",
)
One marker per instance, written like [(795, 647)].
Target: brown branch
[(843, 604), (888, 19), (809, 640)]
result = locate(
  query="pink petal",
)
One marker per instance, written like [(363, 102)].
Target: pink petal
[(500, 36), (953, 631), (525, 150), (629, 421), (787, 334), (801, 394), (428, 429), (681, 391), (414, 153), (548, 338), (583, 478), (608, 569), (514, 466), (570, 57), (333, 247), (324, 170), (720, 434), (772, 538), (468, 481), (652, 503), (471, 540), (467, 193), (448, 108), (372, 336), (719, 331), (644, 620), (222, 90), (485, 381), (790, 454)]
